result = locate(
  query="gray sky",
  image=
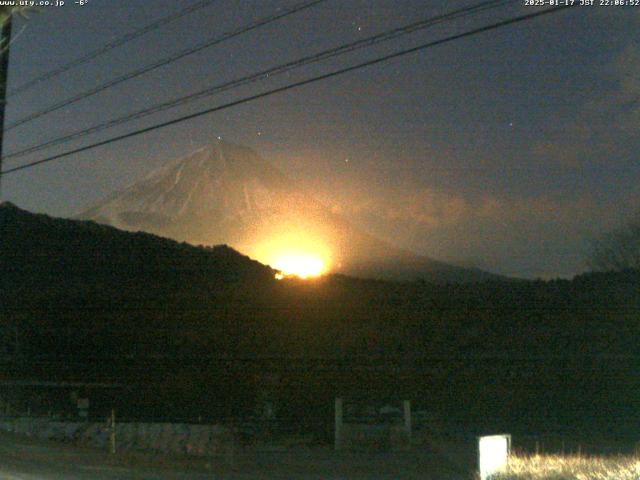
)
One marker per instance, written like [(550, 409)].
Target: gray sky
[(506, 151)]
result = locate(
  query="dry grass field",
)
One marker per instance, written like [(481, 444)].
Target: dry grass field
[(571, 467)]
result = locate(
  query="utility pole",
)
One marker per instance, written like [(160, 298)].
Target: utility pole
[(5, 43)]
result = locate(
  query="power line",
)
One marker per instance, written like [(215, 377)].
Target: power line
[(166, 61), (118, 42), (278, 70), (291, 86)]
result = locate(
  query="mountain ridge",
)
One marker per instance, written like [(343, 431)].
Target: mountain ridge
[(226, 193), (79, 249)]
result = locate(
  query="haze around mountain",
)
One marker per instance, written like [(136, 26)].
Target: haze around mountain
[(227, 194)]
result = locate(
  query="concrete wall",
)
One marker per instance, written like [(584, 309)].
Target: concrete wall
[(163, 437)]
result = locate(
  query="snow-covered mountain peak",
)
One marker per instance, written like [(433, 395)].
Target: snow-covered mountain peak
[(227, 194)]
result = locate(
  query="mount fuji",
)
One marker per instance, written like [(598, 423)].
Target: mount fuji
[(227, 194)]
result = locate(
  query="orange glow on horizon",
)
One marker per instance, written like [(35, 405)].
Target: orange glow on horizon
[(298, 265), (298, 251)]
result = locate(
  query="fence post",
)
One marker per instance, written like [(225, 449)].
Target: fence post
[(407, 419), (338, 424), (112, 432)]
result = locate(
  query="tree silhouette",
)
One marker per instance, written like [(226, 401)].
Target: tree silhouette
[(618, 249)]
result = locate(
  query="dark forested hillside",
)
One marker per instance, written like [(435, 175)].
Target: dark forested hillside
[(52, 252), (85, 301)]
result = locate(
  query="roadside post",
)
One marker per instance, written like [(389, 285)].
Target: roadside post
[(493, 454)]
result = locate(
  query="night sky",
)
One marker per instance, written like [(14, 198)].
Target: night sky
[(507, 151)]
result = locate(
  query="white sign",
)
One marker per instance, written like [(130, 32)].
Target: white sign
[(493, 453)]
